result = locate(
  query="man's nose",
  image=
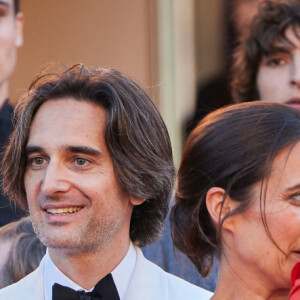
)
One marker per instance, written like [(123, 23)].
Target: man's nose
[(56, 179)]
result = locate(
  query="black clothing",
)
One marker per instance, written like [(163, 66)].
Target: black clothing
[(105, 289), (211, 96), (8, 212), (5, 124)]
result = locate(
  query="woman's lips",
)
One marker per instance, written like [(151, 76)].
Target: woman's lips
[(294, 102)]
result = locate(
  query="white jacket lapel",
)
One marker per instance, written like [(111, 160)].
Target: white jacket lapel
[(147, 282)]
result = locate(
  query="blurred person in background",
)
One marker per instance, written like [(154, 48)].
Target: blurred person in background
[(267, 62), (20, 251), (11, 37), (215, 94)]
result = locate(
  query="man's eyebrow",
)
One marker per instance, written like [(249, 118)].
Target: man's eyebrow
[(84, 150), (72, 149), (33, 149)]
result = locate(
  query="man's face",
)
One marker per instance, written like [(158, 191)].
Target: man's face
[(11, 37), (74, 198), (278, 76)]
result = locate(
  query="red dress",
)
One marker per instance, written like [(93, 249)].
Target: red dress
[(295, 280)]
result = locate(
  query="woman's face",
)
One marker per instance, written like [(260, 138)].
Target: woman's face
[(278, 76), (251, 246)]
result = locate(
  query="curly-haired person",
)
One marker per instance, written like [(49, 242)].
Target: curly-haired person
[(266, 64)]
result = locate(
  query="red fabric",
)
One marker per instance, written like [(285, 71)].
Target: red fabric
[(295, 280)]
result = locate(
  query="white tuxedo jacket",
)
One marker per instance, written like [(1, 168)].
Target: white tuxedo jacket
[(148, 282)]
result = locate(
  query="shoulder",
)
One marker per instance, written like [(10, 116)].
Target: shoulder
[(30, 287), (175, 262), (152, 281), (181, 289)]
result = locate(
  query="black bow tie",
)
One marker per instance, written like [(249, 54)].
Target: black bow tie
[(105, 289)]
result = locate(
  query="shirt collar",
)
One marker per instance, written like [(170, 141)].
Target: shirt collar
[(121, 275)]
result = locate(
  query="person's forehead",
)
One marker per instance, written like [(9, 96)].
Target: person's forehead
[(74, 103), (77, 106), (288, 42), (80, 120), (279, 42)]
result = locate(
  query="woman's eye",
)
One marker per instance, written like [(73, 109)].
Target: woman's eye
[(295, 199), (275, 61)]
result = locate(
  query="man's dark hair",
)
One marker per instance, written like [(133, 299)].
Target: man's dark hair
[(232, 148), (135, 134), (267, 29)]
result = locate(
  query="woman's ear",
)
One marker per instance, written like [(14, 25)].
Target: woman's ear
[(219, 205), (136, 201)]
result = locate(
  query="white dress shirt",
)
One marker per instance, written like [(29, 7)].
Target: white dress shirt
[(121, 275)]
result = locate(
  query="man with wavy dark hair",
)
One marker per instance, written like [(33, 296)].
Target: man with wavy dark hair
[(91, 159), (266, 63), (11, 37)]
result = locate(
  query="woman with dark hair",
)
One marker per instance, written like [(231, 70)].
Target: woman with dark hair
[(238, 199), (266, 64)]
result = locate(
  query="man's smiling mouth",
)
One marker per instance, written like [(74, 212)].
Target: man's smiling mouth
[(64, 211)]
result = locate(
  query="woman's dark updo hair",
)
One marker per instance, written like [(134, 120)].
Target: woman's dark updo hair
[(232, 148)]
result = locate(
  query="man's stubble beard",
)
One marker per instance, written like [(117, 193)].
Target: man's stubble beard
[(95, 235)]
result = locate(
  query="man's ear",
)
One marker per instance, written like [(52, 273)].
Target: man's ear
[(19, 23), (219, 205), (136, 201)]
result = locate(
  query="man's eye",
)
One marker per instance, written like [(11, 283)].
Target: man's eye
[(81, 161), (38, 161)]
